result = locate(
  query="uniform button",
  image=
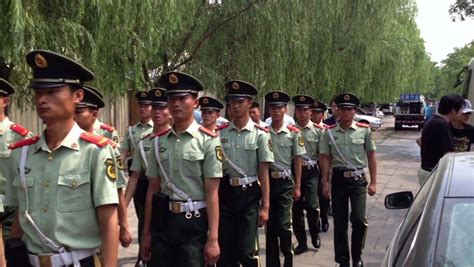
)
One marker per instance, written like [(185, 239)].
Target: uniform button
[(45, 210), (74, 184), (46, 184), (237, 146), (238, 134), (50, 158), (178, 140)]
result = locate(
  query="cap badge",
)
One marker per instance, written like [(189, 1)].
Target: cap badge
[(276, 95), (302, 98), (316, 104), (235, 86), (40, 61), (157, 93), (205, 100), (347, 97), (143, 94), (173, 79)]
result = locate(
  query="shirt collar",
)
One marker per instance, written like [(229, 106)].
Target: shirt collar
[(283, 128), (97, 125), (149, 123), (249, 126), (353, 126), (308, 125), (192, 129), (70, 141)]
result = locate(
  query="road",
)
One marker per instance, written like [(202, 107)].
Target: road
[(398, 161)]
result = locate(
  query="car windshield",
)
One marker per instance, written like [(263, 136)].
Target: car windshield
[(456, 238)]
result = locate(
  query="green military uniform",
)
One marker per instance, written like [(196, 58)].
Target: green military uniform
[(348, 182), (105, 130), (239, 199), (287, 143), (309, 181), (187, 159), (65, 185)]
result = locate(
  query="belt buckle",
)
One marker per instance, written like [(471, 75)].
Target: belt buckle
[(348, 174), (276, 174), (176, 207), (45, 260), (234, 181)]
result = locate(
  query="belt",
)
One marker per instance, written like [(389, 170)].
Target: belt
[(58, 260), (239, 181), (280, 174), (356, 174), (188, 207), (310, 163)]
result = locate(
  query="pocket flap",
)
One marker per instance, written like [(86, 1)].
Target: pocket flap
[(358, 141), (73, 180), (30, 181), (193, 156), (250, 146)]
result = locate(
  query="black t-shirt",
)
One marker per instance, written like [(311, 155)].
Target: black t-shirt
[(463, 138), (436, 140), (330, 121)]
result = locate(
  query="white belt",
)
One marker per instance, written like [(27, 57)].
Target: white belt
[(188, 207), (280, 174), (310, 163), (247, 180), (58, 260)]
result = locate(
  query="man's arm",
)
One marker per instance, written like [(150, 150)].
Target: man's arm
[(325, 162), (125, 236), (16, 231), (153, 187), (109, 234), (373, 173), (298, 160), (264, 179), (212, 250), (131, 187)]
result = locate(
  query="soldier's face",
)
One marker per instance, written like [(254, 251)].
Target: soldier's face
[(182, 107), (85, 117), (277, 113), (161, 115), (57, 103), (145, 110), (302, 114), (255, 114), (240, 107), (4, 100), (209, 117), (316, 116), (346, 113)]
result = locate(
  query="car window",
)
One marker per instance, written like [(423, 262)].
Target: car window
[(456, 234)]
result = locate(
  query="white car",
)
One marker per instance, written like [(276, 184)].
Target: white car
[(374, 122)]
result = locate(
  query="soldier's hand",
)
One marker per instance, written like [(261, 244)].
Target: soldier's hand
[(146, 246), (263, 216), (372, 189), (212, 252), (296, 193), (326, 190), (125, 237)]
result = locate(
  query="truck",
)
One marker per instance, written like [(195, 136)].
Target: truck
[(466, 79), (410, 111)]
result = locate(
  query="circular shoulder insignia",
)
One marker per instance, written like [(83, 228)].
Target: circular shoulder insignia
[(302, 98), (110, 169), (205, 100), (143, 94), (40, 61), (347, 97), (173, 79), (157, 93), (235, 86), (219, 154), (276, 95), (300, 141)]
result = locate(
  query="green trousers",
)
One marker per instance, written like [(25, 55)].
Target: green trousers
[(345, 191), (279, 230), (309, 203), (238, 224)]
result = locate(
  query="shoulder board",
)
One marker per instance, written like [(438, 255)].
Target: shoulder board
[(24, 142), (111, 143), (360, 124), (293, 128), (265, 129), (319, 126), (100, 141), (146, 136), (222, 126), (159, 134), (107, 127), (330, 126), (207, 131), (17, 128), (325, 125)]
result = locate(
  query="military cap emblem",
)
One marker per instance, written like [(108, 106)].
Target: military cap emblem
[(40, 61), (302, 98), (347, 97), (205, 100), (276, 95), (157, 93), (235, 86), (143, 94), (173, 79), (316, 104), (219, 154), (110, 169), (300, 141)]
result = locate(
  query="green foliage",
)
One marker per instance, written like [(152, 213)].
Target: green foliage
[(318, 47), (462, 9)]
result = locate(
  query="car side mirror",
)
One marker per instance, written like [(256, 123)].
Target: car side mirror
[(399, 200)]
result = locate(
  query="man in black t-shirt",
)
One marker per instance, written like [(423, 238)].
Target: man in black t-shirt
[(463, 133), (436, 138)]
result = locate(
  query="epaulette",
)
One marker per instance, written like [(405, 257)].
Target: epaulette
[(107, 127), (330, 126), (100, 141), (360, 124), (145, 137), (24, 142), (111, 143), (160, 133), (17, 128), (325, 125), (319, 126), (207, 131), (293, 128), (265, 129), (222, 126)]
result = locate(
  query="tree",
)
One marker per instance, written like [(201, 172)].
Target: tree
[(462, 9)]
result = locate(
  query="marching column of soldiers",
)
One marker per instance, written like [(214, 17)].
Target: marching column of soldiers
[(201, 189)]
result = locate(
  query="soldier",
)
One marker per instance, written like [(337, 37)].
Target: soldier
[(288, 148), (86, 114), (210, 112), (317, 115), (106, 130), (63, 182), (346, 147), (185, 166), (161, 122), (309, 178), (255, 114), (10, 133), (248, 154)]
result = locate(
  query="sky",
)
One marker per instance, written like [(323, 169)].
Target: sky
[(440, 33)]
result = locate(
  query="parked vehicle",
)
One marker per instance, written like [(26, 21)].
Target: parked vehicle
[(374, 122), (466, 78), (410, 111), (438, 229), (386, 108)]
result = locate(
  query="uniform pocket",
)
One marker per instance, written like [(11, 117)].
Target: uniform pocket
[(192, 164), (74, 192), (358, 145), (30, 182)]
